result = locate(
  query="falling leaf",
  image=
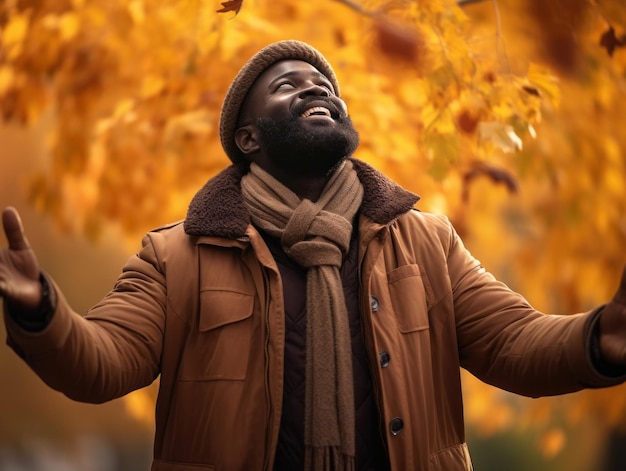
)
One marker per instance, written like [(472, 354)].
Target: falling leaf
[(231, 5), (610, 42)]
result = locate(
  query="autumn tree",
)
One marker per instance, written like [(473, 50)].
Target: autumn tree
[(503, 114)]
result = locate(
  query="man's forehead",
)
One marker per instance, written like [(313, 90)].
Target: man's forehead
[(287, 67)]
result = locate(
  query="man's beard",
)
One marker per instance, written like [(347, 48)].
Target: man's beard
[(305, 150)]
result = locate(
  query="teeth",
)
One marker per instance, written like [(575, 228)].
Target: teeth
[(316, 110)]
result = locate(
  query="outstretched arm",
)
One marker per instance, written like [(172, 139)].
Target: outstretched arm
[(112, 350)]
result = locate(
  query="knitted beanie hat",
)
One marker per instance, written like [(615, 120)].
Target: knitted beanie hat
[(261, 61)]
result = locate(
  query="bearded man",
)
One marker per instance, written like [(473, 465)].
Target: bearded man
[(304, 315)]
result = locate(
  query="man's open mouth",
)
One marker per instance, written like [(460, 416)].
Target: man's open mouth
[(316, 111)]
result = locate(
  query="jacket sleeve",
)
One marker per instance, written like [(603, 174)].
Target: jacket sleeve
[(507, 343), (114, 349)]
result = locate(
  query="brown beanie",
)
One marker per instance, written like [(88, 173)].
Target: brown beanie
[(262, 60)]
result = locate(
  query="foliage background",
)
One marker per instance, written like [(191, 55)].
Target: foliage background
[(506, 115)]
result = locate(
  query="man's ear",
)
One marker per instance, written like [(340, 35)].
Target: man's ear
[(247, 139)]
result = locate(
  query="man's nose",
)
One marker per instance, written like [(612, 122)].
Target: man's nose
[(313, 89)]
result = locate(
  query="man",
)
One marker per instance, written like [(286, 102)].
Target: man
[(304, 315)]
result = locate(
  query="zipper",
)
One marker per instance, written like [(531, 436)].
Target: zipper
[(263, 290), (268, 393)]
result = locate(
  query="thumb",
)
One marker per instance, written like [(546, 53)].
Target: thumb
[(14, 230)]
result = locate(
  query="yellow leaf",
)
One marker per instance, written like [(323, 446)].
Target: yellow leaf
[(7, 78), (123, 108), (50, 21), (546, 82), (16, 30), (14, 36), (613, 182), (69, 25), (194, 123), (137, 11), (151, 86), (442, 149)]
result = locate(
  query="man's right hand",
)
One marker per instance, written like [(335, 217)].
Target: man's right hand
[(19, 270)]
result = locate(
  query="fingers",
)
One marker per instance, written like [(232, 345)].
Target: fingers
[(13, 229)]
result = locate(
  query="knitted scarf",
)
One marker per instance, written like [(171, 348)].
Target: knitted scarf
[(317, 236)]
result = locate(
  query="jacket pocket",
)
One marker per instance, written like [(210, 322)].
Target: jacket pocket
[(409, 298), (163, 465), (220, 348), (455, 458)]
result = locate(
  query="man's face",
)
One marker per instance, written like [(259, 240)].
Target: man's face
[(304, 127)]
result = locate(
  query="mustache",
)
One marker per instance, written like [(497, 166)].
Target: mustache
[(302, 106)]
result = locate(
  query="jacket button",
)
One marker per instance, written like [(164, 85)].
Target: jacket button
[(384, 359), (396, 425), (374, 304)]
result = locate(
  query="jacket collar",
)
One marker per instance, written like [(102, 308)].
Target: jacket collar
[(218, 208)]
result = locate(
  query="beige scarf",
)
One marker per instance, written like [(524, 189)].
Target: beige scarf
[(317, 236)]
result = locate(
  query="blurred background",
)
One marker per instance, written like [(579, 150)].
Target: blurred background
[(505, 115), (41, 429)]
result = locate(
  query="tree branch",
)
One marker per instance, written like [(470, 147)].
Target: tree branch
[(356, 7), (468, 2), (353, 5)]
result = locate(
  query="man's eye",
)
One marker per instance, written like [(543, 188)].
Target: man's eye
[(285, 85), (328, 87)]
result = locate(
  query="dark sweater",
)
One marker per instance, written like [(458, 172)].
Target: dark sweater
[(370, 450)]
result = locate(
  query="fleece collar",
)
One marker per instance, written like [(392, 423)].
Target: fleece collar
[(218, 208)]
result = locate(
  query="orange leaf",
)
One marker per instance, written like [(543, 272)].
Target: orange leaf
[(467, 121), (609, 41), (399, 41), (231, 5)]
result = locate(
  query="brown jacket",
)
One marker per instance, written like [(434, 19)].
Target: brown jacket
[(201, 305)]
